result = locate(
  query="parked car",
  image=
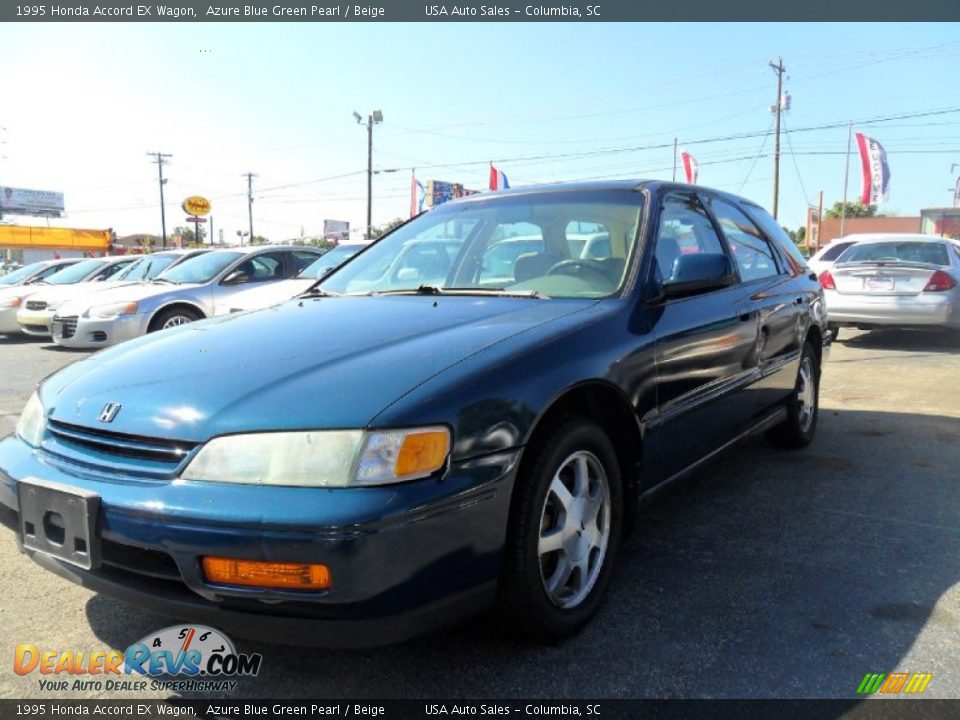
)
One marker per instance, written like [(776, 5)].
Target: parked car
[(363, 465), (825, 257), (904, 281), (192, 290), (257, 298), (39, 310), (34, 272), (14, 300)]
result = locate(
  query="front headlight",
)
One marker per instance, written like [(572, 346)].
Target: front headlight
[(334, 458), (113, 310), (32, 422)]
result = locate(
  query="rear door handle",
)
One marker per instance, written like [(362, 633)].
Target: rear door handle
[(799, 301)]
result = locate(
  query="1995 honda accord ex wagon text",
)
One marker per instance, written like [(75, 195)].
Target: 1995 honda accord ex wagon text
[(465, 413)]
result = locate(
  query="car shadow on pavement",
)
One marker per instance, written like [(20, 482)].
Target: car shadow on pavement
[(937, 340), (769, 574), (21, 339)]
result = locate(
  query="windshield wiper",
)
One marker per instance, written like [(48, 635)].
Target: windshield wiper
[(436, 290), (318, 292), (163, 280)]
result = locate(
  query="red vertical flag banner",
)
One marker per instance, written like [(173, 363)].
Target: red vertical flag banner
[(876, 171), (690, 168)]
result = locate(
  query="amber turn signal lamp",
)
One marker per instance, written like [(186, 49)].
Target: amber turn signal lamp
[(256, 573), (422, 452)]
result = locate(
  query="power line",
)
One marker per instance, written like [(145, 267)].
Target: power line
[(796, 167)]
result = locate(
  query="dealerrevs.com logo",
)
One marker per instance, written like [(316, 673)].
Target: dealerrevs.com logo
[(201, 658)]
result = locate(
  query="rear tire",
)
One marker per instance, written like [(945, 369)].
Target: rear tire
[(798, 429), (566, 520), (174, 317)]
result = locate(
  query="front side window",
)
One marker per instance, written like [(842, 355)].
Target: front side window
[(751, 251), (506, 244), (685, 228), (200, 269)]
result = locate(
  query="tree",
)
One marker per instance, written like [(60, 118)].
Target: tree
[(376, 232), (259, 240), (853, 209), (188, 237)]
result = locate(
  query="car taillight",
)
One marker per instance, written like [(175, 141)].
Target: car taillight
[(940, 282), (826, 281)]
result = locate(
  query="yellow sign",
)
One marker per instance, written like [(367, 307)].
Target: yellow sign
[(196, 205)]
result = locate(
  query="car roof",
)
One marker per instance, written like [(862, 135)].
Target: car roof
[(601, 186)]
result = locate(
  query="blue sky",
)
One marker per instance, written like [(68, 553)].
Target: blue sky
[(277, 100)]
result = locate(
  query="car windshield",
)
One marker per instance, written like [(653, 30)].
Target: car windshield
[(930, 253), (146, 268), (76, 273), (200, 269), (509, 244), (328, 261), (12, 278)]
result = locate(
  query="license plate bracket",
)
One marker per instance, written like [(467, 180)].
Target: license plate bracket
[(59, 520)]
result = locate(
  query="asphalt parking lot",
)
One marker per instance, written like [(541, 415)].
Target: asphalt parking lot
[(770, 574)]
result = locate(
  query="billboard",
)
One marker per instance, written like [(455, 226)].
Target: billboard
[(20, 201), (336, 230)]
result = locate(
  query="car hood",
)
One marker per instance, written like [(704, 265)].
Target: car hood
[(310, 364), (125, 293), (21, 291), (62, 293), (269, 294)]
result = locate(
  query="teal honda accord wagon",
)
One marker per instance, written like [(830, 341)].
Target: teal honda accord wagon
[(465, 414)]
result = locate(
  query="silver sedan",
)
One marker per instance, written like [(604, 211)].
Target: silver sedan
[(192, 290), (895, 281)]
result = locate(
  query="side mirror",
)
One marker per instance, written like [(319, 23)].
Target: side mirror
[(235, 278), (698, 272)]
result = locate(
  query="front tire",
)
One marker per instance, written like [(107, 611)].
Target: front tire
[(564, 531), (798, 429), (174, 317)]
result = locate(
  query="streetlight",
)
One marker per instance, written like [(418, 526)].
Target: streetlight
[(374, 118)]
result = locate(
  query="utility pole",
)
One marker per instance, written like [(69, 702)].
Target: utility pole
[(846, 179), (674, 159), (250, 177), (160, 159), (211, 230), (779, 70), (374, 118)]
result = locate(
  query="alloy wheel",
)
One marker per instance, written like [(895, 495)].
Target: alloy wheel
[(574, 529)]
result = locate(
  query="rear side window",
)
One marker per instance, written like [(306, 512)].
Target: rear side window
[(835, 251), (772, 230), (751, 251)]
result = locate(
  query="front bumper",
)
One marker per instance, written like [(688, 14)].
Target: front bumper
[(404, 559), (925, 309), (35, 322), (83, 332), (8, 321)]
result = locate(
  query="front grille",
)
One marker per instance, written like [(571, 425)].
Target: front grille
[(36, 305), (121, 444), (98, 336), (68, 326)]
